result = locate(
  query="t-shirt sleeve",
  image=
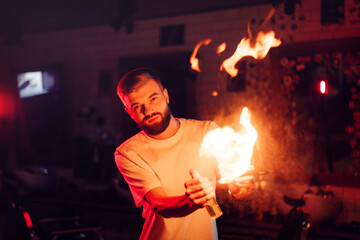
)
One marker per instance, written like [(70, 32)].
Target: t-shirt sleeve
[(139, 176)]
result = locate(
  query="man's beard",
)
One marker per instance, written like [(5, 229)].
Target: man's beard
[(157, 127)]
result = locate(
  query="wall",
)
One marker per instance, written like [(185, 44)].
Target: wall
[(87, 51), (84, 52)]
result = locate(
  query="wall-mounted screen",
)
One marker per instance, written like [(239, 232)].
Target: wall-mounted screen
[(36, 83)]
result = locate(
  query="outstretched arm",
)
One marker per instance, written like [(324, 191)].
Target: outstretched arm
[(170, 206), (242, 186), (198, 190)]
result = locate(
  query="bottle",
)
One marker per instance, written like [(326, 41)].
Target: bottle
[(211, 205), (213, 208)]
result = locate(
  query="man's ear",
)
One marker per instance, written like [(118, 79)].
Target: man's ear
[(124, 103), (129, 112), (166, 94)]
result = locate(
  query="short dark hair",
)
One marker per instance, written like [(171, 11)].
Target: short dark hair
[(135, 79)]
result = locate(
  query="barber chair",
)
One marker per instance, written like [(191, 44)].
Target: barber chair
[(23, 224)]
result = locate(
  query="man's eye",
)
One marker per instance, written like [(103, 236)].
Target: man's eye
[(153, 98), (135, 107)]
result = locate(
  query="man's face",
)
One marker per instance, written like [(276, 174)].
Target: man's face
[(148, 107)]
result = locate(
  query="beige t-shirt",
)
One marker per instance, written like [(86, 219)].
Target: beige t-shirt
[(147, 163)]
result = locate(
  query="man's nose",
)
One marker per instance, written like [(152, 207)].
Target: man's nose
[(147, 109)]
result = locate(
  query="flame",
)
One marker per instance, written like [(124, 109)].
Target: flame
[(194, 61), (257, 48), (270, 14), (232, 150), (221, 48)]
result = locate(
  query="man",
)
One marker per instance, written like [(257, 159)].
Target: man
[(162, 166)]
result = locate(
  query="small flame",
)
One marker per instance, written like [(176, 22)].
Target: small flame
[(194, 61), (257, 48), (214, 93), (221, 48), (232, 150)]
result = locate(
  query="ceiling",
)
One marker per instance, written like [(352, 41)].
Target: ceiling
[(25, 16)]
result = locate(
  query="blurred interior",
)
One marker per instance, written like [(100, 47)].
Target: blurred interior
[(61, 120)]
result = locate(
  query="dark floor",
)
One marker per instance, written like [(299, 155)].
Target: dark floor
[(119, 219)]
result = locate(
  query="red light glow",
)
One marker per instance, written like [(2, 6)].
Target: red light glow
[(27, 219), (323, 87)]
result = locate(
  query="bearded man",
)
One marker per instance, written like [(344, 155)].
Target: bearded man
[(162, 166)]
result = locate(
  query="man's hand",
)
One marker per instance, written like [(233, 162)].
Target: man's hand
[(199, 189), (242, 186)]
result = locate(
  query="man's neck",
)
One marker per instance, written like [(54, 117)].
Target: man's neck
[(170, 131)]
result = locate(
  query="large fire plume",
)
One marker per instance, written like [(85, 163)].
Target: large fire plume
[(257, 48), (232, 150)]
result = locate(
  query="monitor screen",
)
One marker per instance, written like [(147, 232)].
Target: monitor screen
[(36, 83)]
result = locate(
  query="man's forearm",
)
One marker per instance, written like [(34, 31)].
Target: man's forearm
[(170, 206), (178, 206)]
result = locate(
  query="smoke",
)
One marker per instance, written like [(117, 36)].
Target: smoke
[(284, 150)]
